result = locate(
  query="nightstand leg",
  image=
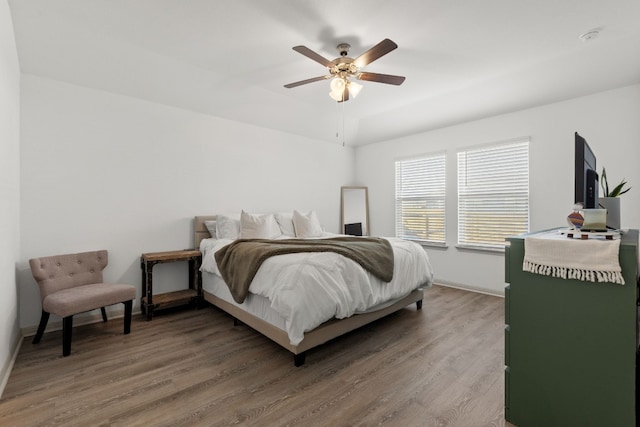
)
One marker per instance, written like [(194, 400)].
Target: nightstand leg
[(149, 283), (192, 273), (195, 280), (143, 281)]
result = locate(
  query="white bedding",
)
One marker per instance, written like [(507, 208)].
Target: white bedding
[(307, 289)]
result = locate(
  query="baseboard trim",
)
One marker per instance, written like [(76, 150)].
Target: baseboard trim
[(469, 288), (7, 372)]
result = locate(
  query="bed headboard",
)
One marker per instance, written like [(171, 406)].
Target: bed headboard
[(200, 230)]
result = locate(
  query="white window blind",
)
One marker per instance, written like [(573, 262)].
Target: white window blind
[(420, 199), (493, 194)]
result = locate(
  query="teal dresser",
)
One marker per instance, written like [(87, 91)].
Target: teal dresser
[(570, 346)]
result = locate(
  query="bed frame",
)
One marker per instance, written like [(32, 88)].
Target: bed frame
[(323, 333)]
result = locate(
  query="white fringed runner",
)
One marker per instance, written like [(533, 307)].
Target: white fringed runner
[(590, 260)]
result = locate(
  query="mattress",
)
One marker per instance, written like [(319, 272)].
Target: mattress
[(298, 292), (257, 305)]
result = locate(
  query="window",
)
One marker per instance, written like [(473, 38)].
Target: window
[(493, 194), (420, 193)]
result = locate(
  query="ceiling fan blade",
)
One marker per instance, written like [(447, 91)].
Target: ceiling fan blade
[(381, 78), (312, 55), (304, 82), (381, 49)]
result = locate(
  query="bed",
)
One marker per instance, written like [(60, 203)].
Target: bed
[(267, 315)]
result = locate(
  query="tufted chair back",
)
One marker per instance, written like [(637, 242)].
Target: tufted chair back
[(56, 273)]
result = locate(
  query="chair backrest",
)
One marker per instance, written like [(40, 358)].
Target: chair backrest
[(58, 272)]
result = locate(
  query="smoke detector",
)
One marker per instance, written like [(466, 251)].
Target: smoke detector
[(590, 35)]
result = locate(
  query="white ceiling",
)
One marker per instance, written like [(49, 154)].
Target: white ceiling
[(463, 59)]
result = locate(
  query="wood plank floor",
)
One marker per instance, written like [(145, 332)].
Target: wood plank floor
[(442, 365)]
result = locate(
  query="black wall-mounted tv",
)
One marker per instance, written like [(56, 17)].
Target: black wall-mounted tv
[(586, 175)]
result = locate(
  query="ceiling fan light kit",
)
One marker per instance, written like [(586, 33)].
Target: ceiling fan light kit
[(342, 89), (343, 68), (337, 85), (354, 89)]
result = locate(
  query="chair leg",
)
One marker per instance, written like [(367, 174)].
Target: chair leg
[(67, 326), (104, 314), (127, 316), (44, 318)]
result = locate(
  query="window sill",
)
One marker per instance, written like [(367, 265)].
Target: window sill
[(435, 245), (485, 249)]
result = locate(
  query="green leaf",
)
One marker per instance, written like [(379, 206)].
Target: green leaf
[(603, 183), (617, 191)]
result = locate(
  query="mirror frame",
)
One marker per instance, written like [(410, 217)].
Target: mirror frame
[(365, 229)]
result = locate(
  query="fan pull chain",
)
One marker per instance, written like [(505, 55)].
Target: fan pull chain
[(343, 120), (338, 122)]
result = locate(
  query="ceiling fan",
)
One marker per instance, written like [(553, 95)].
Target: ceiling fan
[(343, 68)]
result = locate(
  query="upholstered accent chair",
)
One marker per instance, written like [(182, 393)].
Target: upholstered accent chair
[(72, 284)]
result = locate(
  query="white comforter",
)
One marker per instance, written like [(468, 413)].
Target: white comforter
[(308, 289)]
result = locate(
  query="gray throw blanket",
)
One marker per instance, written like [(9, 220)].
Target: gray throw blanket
[(239, 261)]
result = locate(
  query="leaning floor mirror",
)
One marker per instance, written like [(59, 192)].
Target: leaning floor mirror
[(354, 211)]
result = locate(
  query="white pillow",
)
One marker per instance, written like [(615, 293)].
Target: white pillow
[(227, 227), (285, 221), (306, 225), (258, 226), (211, 226)]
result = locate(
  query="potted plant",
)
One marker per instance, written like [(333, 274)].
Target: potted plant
[(610, 199)]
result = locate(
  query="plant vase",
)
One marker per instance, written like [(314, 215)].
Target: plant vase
[(612, 205)]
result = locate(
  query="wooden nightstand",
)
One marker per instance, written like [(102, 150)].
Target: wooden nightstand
[(150, 302)]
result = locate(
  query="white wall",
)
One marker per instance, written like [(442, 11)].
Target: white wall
[(100, 170), (9, 191), (609, 121)]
